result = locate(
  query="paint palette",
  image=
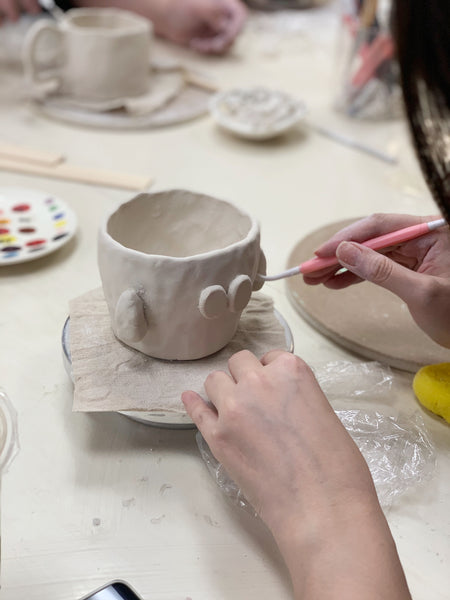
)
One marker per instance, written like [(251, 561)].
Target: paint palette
[(32, 224)]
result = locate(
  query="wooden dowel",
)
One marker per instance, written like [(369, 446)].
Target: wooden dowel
[(368, 13), (199, 81), (79, 174), (30, 155)]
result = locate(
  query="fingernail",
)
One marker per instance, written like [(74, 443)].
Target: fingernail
[(348, 253)]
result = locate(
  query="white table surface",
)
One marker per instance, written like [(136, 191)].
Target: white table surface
[(92, 497)]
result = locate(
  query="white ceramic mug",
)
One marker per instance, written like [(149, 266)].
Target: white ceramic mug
[(105, 54), (177, 270)]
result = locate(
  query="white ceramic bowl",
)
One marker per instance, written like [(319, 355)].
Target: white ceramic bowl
[(256, 113)]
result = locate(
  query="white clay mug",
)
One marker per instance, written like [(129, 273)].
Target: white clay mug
[(177, 270), (104, 55)]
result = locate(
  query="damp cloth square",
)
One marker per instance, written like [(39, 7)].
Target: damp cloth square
[(110, 376)]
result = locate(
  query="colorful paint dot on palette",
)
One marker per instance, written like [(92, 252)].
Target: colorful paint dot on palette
[(21, 207), (35, 243), (60, 236), (8, 249), (32, 224), (7, 239)]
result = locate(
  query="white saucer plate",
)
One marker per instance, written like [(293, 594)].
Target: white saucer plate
[(190, 104)]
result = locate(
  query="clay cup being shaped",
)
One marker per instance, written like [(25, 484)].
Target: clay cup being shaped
[(104, 54), (177, 269)]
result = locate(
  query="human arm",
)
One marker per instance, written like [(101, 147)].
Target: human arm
[(12, 9), (208, 26), (417, 271), (274, 431)]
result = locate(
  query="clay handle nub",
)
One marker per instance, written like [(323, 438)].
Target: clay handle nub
[(130, 320)]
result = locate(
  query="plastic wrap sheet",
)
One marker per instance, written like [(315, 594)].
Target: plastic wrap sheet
[(397, 448), (344, 379)]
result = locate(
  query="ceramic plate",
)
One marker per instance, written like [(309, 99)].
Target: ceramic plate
[(168, 420), (32, 224), (221, 104), (191, 103)]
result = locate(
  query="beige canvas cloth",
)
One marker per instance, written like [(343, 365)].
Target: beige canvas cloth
[(110, 376)]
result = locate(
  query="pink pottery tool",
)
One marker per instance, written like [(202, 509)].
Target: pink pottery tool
[(378, 243), (380, 50)]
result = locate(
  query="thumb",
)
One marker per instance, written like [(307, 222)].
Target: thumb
[(377, 268)]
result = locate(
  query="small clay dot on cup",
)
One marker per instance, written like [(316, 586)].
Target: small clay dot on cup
[(213, 301), (239, 293)]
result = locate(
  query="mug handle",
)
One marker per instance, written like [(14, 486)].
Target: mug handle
[(40, 84)]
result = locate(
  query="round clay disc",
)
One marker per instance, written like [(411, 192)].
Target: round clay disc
[(364, 318)]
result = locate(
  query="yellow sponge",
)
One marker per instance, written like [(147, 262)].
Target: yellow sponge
[(432, 388)]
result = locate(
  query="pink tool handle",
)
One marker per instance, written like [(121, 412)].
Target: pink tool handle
[(383, 241), (397, 237), (380, 50)]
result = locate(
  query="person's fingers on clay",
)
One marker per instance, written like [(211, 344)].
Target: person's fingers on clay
[(368, 228), (202, 415), (242, 363), (219, 387)]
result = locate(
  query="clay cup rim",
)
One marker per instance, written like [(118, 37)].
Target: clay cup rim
[(250, 236), (113, 22)]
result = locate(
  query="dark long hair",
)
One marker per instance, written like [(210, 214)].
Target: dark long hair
[(422, 32)]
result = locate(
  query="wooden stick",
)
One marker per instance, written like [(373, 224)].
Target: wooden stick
[(79, 174), (199, 81), (23, 153), (368, 13)]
